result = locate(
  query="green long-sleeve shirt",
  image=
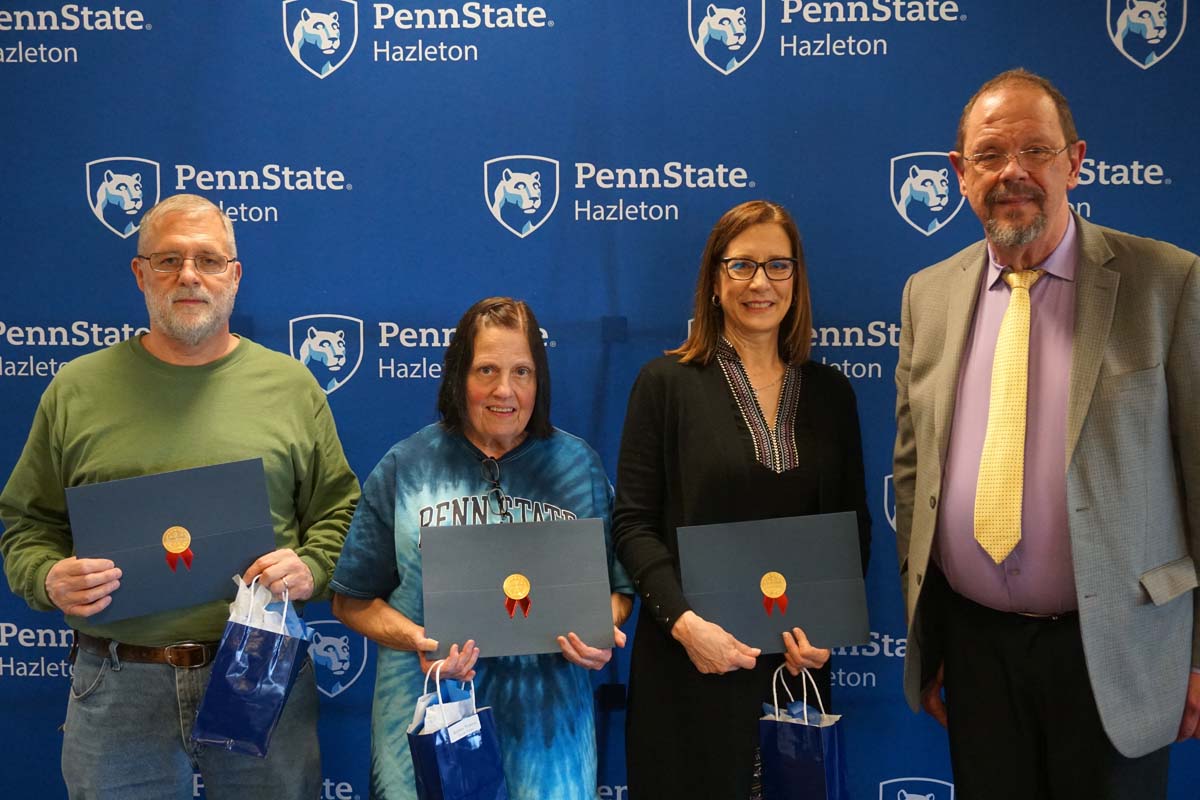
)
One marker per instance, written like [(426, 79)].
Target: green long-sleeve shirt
[(121, 412)]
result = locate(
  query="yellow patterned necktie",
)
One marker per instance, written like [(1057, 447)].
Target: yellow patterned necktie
[(1002, 467)]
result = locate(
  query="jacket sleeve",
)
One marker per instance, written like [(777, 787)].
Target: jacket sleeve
[(33, 508), (904, 455), (618, 578), (639, 513), (326, 497), (1183, 385)]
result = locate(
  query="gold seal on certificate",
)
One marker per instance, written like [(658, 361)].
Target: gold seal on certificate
[(774, 589), (177, 541), (516, 586), (516, 593), (773, 585)]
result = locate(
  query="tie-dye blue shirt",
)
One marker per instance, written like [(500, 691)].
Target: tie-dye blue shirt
[(542, 704)]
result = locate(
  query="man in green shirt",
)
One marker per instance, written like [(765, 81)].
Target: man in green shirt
[(188, 393)]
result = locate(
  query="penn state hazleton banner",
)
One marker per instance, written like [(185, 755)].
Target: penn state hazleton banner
[(388, 163)]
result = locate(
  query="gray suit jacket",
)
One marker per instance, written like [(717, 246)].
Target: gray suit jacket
[(1133, 468)]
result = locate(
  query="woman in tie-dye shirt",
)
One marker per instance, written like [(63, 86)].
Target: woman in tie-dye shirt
[(494, 457)]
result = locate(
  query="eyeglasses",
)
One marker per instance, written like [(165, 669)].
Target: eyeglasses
[(206, 263), (1032, 159), (491, 473), (744, 269)]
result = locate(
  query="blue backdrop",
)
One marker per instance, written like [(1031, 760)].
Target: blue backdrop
[(380, 169)]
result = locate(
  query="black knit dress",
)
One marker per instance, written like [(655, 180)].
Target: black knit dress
[(696, 450)]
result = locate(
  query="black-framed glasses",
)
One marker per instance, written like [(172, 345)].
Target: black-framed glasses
[(1031, 159), (744, 269), (206, 263), (491, 473)]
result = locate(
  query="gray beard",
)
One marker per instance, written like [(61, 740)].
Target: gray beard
[(190, 332), (1007, 235)]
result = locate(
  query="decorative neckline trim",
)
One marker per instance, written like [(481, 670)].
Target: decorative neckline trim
[(774, 449)]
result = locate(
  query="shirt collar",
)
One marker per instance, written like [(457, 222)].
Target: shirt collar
[(1060, 263)]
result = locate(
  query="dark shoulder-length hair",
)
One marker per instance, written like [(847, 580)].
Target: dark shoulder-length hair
[(795, 332), (501, 312)]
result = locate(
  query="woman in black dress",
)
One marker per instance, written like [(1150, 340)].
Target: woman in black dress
[(735, 424)]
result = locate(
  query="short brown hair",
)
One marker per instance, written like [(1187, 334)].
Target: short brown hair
[(795, 334), (502, 312), (1020, 75)]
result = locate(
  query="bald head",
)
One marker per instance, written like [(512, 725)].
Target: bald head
[(1020, 77)]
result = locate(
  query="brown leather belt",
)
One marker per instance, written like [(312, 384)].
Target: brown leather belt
[(184, 655)]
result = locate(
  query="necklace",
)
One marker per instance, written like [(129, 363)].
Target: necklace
[(761, 389)]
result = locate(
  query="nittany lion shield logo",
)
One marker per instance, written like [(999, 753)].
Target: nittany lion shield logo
[(726, 34), (1146, 30), (330, 345), (889, 500), (339, 655), (120, 190), (920, 184), (320, 34), (521, 191), (916, 789)]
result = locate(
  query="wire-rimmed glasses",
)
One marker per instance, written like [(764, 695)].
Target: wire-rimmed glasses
[(491, 473), (1030, 160), (206, 263)]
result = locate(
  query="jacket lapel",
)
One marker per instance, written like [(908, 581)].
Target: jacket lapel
[(1095, 300), (962, 290)]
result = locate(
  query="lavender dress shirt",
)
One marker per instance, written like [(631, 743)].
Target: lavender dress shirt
[(1037, 577)]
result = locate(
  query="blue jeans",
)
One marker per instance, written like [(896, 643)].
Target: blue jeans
[(128, 736)]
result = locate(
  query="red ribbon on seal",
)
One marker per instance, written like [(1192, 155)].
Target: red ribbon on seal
[(510, 606), (771, 602), (173, 559)]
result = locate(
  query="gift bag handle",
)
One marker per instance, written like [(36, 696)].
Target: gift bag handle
[(250, 605), (808, 678), (286, 599), (435, 669), (776, 679)]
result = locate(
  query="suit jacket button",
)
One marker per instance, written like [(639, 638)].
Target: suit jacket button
[(919, 576), (932, 501)]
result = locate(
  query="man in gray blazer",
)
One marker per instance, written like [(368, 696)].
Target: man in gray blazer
[(1067, 644)]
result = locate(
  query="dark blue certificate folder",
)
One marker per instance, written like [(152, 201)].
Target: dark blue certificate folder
[(758, 579), (178, 537), (515, 587)]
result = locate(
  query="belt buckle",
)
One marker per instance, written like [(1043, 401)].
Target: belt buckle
[(186, 655)]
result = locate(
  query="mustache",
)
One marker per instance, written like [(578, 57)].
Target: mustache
[(1013, 191), (190, 294)]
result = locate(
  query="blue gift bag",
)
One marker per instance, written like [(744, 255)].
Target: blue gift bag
[(252, 675), (455, 750), (803, 757)]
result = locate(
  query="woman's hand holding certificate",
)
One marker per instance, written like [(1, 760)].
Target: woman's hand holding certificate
[(712, 649)]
